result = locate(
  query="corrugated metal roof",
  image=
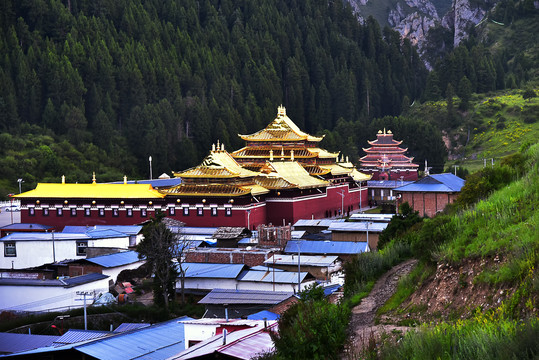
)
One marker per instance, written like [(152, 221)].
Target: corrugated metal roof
[(434, 183), (326, 247), (13, 343), (116, 259), (158, 341), (270, 276), (297, 234), (73, 336), (26, 226), (38, 236), (125, 229), (386, 184), (358, 226), (186, 230), (67, 282), (105, 233), (241, 344), (216, 271), (130, 326), (264, 315), (316, 222), (224, 296), (371, 217), (305, 260)]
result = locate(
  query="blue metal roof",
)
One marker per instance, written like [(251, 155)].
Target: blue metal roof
[(330, 289), (316, 222), (125, 229), (434, 183), (13, 343), (386, 184), (116, 259), (358, 226), (158, 341), (105, 233), (267, 276), (223, 296), (130, 326), (326, 247), (156, 183), (187, 230), (217, 271), (67, 282), (40, 236), (26, 226), (73, 336), (264, 315)]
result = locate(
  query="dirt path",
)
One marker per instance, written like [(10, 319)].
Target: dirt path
[(362, 328)]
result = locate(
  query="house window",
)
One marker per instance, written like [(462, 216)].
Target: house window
[(143, 213), (59, 212), (101, 212), (186, 211), (129, 212), (31, 211), (228, 211), (46, 212), (87, 212), (172, 211), (115, 212), (200, 211), (213, 211), (74, 212), (81, 248), (9, 249)]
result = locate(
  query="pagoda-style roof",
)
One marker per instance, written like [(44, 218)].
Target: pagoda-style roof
[(384, 139), (281, 129), (278, 151), (216, 190), (293, 173), (346, 168), (218, 164), (92, 191)]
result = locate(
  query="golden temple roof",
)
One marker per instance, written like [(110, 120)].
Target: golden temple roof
[(281, 129), (215, 190), (323, 154), (218, 164), (347, 168), (293, 173), (94, 190)]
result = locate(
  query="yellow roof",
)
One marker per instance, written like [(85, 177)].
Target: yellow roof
[(359, 176), (216, 190), (294, 173), (281, 129), (94, 190), (218, 164), (346, 168), (323, 154)]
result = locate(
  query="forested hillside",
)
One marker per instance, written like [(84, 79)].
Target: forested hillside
[(109, 83)]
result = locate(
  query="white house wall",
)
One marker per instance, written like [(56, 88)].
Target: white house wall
[(207, 284), (114, 272), (36, 253), (48, 298)]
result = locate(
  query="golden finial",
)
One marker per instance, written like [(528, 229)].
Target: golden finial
[(282, 153), (63, 179), (379, 131), (384, 131), (222, 146), (93, 178), (281, 110), (389, 132), (125, 179), (218, 146), (347, 159), (212, 147)]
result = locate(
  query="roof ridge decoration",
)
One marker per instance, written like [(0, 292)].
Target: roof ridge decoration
[(281, 128)]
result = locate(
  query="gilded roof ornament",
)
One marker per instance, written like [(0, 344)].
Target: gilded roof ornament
[(63, 179), (93, 178)]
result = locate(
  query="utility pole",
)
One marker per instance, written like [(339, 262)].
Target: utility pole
[(455, 166), (342, 203), (84, 293)]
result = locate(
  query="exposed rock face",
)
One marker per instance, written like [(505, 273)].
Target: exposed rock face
[(413, 18)]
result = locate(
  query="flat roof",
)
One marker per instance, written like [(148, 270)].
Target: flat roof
[(65, 282), (355, 226), (305, 260), (326, 247), (212, 270), (224, 296), (115, 259)]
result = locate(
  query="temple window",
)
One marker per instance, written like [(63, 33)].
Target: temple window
[(228, 211), (186, 211), (46, 212), (213, 211), (87, 212), (172, 211), (143, 213), (129, 212), (101, 212), (73, 211), (200, 211), (59, 212), (115, 212), (31, 211)]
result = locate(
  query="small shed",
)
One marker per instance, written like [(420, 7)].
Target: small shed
[(110, 264), (320, 266), (228, 236), (342, 249), (367, 231)]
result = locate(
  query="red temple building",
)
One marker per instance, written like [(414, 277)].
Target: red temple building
[(279, 177), (385, 160)]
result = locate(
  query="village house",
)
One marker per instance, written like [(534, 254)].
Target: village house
[(431, 194)]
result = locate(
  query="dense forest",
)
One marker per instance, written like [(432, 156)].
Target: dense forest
[(126, 79), (100, 86)]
